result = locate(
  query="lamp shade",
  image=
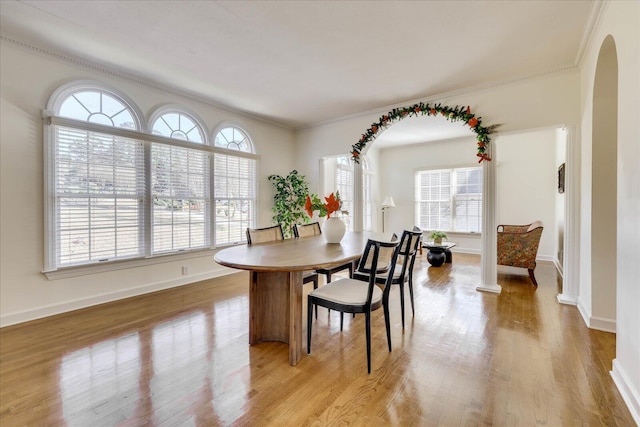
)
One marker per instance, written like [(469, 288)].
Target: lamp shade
[(388, 202)]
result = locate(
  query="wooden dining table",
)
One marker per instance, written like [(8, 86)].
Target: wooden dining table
[(275, 283)]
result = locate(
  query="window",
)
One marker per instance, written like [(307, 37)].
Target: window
[(115, 191), (98, 187), (449, 199), (179, 186), (367, 194), (344, 184), (235, 188)]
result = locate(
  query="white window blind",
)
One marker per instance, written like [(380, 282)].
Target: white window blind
[(99, 197), (180, 192), (344, 184), (235, 197), (449, 199), (179, 186)]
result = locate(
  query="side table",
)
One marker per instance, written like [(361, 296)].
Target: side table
[(439, 253)]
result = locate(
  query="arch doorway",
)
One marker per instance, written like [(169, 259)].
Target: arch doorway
[(604, 168), (489, 280)]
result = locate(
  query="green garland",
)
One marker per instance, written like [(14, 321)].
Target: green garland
[(451, 114)]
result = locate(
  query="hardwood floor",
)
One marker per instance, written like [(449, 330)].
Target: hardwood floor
[(181, 357)]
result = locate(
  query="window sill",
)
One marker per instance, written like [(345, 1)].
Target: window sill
[(464, 234), (83, 270)]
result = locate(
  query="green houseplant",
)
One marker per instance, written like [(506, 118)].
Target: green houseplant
[(289, 200), (437, 236)]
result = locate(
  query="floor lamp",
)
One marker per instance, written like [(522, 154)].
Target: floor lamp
[(386, 204)]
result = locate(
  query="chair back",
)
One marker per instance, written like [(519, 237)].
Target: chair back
[(306, 230), (409, 245), (518, 244), (264, 235), (378, 256)]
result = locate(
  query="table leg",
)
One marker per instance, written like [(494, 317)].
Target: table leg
[(275, 310)]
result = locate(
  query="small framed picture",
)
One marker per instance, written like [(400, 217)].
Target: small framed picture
[(561, 179)]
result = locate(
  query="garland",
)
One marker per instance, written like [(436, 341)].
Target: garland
[(452, 114)]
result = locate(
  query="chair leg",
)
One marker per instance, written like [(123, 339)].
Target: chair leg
[(329, 281), (341, 320), (315, 286), (533, 278), (309, 323), (402, 303), (387, 324), (413, 311), (368, 333)]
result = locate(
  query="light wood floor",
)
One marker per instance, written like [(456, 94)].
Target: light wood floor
[(181, 358)]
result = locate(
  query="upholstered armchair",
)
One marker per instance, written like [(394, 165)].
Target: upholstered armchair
[(518, 246)]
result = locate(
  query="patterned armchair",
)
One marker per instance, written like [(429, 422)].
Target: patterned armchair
[(518, 246)]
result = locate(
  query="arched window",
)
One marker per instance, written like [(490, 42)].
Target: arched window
[(95, 178), (98, 106), (119, 189), (367, 194), (235, 186), (178, 125), (179, 184), (344, 184)]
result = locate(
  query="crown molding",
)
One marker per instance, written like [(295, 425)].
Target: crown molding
[(597, 11), (443, 96), (121, 74)]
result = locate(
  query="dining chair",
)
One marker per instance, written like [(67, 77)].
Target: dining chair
[(313, 229), (272, 234), (403, 271), (349, 295), (264, 235)]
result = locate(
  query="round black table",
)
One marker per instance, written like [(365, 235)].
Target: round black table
[(439, 253)]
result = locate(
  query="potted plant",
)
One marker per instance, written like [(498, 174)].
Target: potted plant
[(289, 200), (437, 236)]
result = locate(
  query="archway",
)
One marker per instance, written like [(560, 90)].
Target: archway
[(604, 189), (484, 152)]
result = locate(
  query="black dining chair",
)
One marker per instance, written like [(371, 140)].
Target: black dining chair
[(403, 272), (349, 295)]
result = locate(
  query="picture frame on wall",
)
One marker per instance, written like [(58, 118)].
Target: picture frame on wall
[(561, 179)]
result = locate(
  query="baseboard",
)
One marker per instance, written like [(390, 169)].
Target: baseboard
[(630, 395), (495, 288), (52, 310), (586, 314), (563, 299), (597, 323), (602, 324), (558, 265), (465, 251)]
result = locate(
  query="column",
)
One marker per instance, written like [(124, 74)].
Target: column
[(571, 259), (489, 260)]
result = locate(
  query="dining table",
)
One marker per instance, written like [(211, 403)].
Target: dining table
[(275, 280)]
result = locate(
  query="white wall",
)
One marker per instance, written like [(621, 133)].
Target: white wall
[(527, 183), (27, 79), (397, 166), (622, 21), (526, 191), (546, 101)]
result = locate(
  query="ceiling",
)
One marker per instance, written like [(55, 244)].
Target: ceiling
[(302, 63)]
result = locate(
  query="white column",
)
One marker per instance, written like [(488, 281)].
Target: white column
[(489, 260), (358, 198), (571, 258)]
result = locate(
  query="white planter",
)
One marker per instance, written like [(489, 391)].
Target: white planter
[(333, 230)]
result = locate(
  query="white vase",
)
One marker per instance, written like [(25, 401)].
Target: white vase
[(333, 230)]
